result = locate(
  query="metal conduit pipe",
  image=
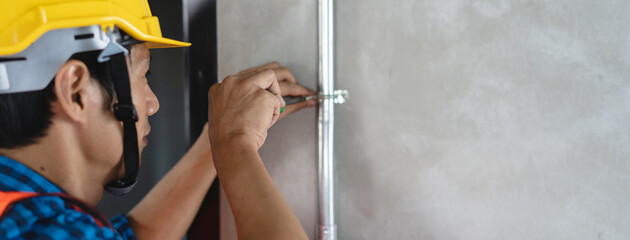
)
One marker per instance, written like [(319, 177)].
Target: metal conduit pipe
[(326, 119)]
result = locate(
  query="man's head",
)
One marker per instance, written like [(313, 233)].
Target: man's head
[(88, 104), (79, 100)]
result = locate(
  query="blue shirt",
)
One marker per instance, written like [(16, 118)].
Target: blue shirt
[(48, 217)]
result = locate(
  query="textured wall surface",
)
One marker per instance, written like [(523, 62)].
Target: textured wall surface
[(468, 119), (255, 32)]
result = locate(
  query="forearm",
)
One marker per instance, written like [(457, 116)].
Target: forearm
[(241, 109), (258, 207), (168, 210)]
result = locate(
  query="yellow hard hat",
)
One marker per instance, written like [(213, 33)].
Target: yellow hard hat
[(22, 22)]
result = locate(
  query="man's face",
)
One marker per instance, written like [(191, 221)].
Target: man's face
[(143, 97), (108, 146)]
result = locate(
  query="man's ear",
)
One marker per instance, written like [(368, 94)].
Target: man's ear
[(71, 83)]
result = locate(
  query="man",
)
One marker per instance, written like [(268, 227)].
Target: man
[(74, 108)]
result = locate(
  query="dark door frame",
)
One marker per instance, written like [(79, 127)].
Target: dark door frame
[(200, 29)]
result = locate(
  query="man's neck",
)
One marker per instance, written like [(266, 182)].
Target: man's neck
[(58, 157)]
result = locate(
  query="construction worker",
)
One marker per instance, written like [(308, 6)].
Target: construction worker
[(74, 108)]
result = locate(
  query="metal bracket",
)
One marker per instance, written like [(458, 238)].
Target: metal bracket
[(338, 96)]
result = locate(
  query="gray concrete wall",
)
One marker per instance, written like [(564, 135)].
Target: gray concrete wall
[(468, 119)]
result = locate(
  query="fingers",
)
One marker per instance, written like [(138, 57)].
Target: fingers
[(284, 74), (265, 79), (244, 107), (275, 117), (275, 89), (295, 107), (261, 67), (278, 81), (294, 89), (268, 81), (276, 101)]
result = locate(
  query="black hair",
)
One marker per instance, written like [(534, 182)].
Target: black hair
[(25, 117)]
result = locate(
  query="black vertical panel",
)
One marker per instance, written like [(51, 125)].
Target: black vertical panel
[(200, 17), (202, 34)]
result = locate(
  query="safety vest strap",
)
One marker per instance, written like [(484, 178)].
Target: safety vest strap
[(7, 199)]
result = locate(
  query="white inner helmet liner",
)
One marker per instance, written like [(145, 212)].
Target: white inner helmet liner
[(34, 68)]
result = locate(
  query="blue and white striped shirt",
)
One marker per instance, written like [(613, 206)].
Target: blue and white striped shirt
[(48, 217)]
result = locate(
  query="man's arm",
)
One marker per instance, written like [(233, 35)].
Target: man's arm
[(241, 110), (259, 210), (170, 207), (168, 210)]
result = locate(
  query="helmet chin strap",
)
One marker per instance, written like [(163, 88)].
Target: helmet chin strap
[(124, 110)]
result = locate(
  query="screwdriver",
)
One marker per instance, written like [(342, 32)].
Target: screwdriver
[(288, 100)]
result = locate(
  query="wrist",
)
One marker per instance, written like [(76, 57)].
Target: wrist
[(233, 139), (227, 148)]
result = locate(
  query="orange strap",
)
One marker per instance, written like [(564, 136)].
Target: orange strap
[(8, 198)]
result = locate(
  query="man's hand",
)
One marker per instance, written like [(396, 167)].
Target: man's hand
[(288, 87), (243, 107), (248, 104)]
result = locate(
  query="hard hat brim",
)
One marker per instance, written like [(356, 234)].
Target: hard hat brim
[(153, 43), (149, 32)]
